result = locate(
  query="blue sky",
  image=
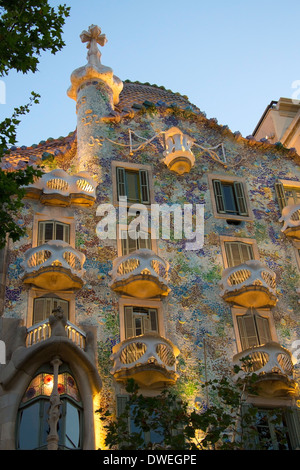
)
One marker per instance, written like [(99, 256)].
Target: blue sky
[(231, 58)]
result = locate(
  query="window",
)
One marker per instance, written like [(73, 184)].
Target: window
[(43, 306), (272, 430), (238, 252), (133, 184), (129, 244), (154, 436), (53, 230), (139, 320), (254, 329), (288, 194), (230, 197), (33, 425)]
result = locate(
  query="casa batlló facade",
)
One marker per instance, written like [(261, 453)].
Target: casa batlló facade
[(86, 304)]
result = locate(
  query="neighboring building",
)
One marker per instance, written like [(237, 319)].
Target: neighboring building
[(280, 122), (85, 312)]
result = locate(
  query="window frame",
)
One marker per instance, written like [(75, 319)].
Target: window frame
[(52, 214), (265, 313), (280, 186), (41, 400), (248, 241), (231, 180), (143, 303), (45, 298), (131, 167), (36, 292), (124, 228)]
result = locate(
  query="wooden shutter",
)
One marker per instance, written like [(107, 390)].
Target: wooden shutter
[(238, 253), (247, 331), (240, 198), (121, 182), (128, 321), (45, 232), (62, 232), (144, 187), (279, 190), (39, 310), (153, 320), (263, 329), (217, 185)]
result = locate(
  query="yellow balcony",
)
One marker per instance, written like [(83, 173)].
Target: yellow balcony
[(250, 284), (274, 366), (54, 266), (140, 274), (61, 189), (291, 221), (149, 359)]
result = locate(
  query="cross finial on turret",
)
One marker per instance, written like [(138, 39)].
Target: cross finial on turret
[(93, 37)]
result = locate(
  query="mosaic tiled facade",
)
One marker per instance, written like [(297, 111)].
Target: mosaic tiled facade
[(193, 317)]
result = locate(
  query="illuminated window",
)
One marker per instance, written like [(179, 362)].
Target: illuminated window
[(33, 425), (139, 321)]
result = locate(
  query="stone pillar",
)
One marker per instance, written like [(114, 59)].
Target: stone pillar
[(54, 410), (96, 91)]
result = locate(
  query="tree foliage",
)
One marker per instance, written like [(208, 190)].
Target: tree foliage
[(166, 422), (27, 27)]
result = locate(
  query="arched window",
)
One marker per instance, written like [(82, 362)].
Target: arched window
[(33, 425)]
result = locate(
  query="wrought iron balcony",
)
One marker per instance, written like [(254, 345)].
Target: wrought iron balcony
[(59, 188), (178, 154), (291, 221), (149, 359), (274, 366), (140, 274), (251, 284), (54, 266)]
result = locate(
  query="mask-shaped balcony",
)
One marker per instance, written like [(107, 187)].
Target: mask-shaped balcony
[(61, 189), (140, 274), (274, 367), (149, 359), (178, 155), (291, 221), (250, 284), (54, 266)]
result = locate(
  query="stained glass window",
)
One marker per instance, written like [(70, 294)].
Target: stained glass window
[(33, 425)]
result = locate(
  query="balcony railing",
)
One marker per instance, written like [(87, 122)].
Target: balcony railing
[(274, 366), (54, 265), (42, 331), (291, 221), (251, 284), (150, 359), (59, 188), (178, 154), (141, 274)]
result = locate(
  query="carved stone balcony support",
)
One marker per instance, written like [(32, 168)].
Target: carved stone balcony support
[(291, 221), (251, 284), (274, 366), (178, 154), (149, 359), (54, 266), (140, 274), (61, 189)]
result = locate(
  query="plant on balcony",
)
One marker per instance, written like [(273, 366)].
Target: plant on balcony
[(165, 422)]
